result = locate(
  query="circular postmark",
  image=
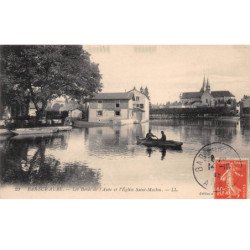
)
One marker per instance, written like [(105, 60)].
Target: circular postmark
[(204, 162)]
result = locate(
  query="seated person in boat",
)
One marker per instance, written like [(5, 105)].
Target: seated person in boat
[(150, 135), (163, 136)]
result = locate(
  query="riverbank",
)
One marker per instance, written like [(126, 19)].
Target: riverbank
[(208, 117), (85, 124), (34, 130)]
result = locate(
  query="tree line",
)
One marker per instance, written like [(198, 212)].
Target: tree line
[(41, 73), (145, 92)]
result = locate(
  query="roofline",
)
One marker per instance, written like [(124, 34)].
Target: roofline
[(123, 98), (232, 95), (223, 91), (93, 99), (137, 91)]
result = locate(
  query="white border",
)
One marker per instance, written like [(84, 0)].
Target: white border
[(125, 22), (124, 224)]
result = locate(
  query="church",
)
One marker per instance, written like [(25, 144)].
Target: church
[(207, 98)]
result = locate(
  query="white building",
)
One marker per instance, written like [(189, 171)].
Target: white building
[(119, 108), (245, 106)]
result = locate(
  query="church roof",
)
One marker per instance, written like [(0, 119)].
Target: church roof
[(224, 93), (215, 94), (190, 95)]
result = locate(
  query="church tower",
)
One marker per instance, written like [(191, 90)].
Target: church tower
[(203, 85), (208, 86)]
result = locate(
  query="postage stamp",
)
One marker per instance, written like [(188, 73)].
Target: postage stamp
[(218, 168), (204, 162), (230, 179)]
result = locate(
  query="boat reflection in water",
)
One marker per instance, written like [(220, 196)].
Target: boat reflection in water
[(162, 150)]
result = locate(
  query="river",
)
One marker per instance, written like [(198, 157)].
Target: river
[(109, 156)]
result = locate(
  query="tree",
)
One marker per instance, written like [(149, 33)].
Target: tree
[(168, 104), (141, 90), (40, 73), (146, 92), (13, 93)]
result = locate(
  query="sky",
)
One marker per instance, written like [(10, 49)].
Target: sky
[(169, 70)]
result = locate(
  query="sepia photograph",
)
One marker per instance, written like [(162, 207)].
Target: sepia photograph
[(124, 121), (124, 124)]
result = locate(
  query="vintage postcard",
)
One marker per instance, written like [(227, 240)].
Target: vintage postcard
[(124, 121)]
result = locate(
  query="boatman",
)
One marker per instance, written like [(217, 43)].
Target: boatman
[(163, 136), (150, 135)]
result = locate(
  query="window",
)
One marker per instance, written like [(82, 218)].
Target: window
[(117, 103), (138, 105), (137, 98), (99, 113), (141, 106), (99, 104), (117, 113)]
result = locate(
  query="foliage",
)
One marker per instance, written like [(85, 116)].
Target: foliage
[(146, 92), (40, 73)]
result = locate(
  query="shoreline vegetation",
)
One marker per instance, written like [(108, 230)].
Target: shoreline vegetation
[(197, 111), (84, 124)]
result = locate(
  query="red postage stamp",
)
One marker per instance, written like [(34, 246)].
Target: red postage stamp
[(231, 177)]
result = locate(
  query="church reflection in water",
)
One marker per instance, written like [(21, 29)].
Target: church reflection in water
[(201, 130), (245, 130)]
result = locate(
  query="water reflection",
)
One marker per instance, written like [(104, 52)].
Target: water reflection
[(161, 151), (245, 130), (114, 140), (149, 151), (109, 156), (200, 130), (24, 161)]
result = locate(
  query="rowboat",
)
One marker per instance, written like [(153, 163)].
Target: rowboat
[(33, 136), (4, 131), (41, 130), (158, 143), (64, 128), (38, 136), (37, 130)]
